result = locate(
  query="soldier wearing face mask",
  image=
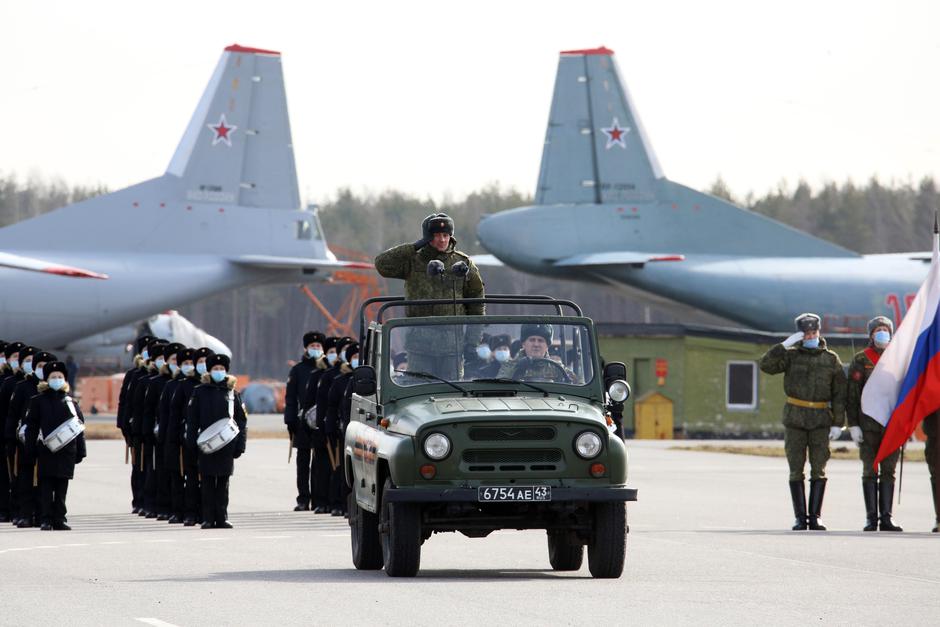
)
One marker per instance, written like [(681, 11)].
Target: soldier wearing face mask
[(5, 471), (319, 462), (499, 346), (877, 487), (142, 423), (124, 414), (814, 382), (21, 363), (165, 456), (193, 369), (300, 433), (322, 440)]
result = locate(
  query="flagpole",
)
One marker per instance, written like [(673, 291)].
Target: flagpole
[(901, 474)]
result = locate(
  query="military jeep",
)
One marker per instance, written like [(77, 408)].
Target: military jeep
[(434, 447)]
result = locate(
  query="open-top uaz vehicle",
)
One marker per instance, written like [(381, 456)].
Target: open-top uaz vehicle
[(438, 448)]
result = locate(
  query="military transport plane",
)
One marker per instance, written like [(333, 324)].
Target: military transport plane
[(225, 214), (605, 212)]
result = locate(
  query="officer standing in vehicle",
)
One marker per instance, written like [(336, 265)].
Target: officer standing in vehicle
[(877, 488), (293, 415), (815, 385), (433, 350), (216, 399), (49, 410)]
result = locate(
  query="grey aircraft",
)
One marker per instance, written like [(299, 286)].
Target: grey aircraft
[(605, 212), (225, 214)]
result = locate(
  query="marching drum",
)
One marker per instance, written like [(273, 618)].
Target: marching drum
[(311, 418), (63, 434), (21, 434), (217, 435)]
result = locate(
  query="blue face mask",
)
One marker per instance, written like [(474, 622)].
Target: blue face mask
[(39, 373), (813, 343), (331, 357), (483, 351), (14, 364), (187, 369), (144, 354), (881, 338), (56, 384), (201, 367), (501, 355), (160, 362), (174, 368), (217, 375), (28, 367), (354, 362), (316, 353)]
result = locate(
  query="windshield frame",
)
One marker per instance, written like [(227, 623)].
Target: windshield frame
[(391, 391)]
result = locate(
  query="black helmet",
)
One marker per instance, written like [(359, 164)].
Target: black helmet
[(806, 322), (880, 321), (437, 223)]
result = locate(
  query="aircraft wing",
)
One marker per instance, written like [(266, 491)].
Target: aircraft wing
[(487, 261), (274, 262), (617, 258), (49, 267)]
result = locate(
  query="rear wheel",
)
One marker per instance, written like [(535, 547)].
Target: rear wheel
[(400, 531), (366, 546), (607, 552), (563, 554)]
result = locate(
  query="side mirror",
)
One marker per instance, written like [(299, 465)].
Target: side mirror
[(364, 381)]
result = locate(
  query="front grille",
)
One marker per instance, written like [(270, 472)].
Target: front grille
[(511, 434), (510, 456)]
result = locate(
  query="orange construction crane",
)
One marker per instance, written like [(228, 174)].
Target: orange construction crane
[(364, 285)]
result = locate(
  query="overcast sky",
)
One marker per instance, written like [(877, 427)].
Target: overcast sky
[(439, 98)]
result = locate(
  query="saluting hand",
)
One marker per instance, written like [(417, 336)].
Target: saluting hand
[(793, 339)]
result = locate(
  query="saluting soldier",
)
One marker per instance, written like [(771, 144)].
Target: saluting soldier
[(293, 415), (815, 385), (436, 350), (52, 407), (169, 473), (216, 398), (877, 488), (335, 429), (533, 362), (124, 417), (27, 494)]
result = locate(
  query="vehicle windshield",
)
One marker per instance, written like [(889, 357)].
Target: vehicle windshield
[(498, 352)]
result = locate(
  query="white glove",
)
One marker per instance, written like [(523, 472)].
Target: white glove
[(793, 339), (856, 433), (835, 433)]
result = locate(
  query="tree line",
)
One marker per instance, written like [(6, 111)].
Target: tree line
[(263, 325)]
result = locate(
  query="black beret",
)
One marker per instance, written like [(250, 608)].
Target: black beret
[(143, 341), (199, 353), (313, 336), (218, 359), (351, 350), (13, 347), (55, 366), (173, 349), (542, 330), (500, 340), (187, 354)]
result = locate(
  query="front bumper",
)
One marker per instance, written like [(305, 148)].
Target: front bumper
[(469, 495)]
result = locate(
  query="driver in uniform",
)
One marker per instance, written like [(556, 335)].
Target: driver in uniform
[(533, 362)]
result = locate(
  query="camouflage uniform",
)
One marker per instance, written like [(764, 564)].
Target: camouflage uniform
[(873, 483), (932, 456), (534, 369), (811, 375), (435, 350)]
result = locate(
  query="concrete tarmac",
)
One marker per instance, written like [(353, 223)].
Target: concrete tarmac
[(709, 544)]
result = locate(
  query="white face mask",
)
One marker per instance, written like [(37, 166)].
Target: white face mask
[(57, 384), (316, 353), (501, 355)]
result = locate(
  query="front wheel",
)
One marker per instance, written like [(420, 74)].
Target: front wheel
[(563, 554), (364, 527), (400, 531), (608, 550)]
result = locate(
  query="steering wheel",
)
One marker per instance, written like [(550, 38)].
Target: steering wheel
[(528, 362)]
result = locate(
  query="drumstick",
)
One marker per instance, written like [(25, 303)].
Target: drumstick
[(142, 450), (16, 462), (127, 450), (290, 448), (182, 472), (9, 472), (35, 474), (339, 455), (329, 451)]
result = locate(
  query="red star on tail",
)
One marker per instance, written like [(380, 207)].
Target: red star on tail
[(222, 131)]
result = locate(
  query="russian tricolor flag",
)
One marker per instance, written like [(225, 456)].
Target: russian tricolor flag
[(904, 387)]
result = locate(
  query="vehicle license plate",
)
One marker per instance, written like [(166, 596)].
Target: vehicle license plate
[(513, 494)]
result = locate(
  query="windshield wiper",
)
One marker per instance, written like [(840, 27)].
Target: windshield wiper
[(428, 375), (508, 380)]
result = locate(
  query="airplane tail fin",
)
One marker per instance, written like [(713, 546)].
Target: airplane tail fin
[(596, 150), (237, 148)]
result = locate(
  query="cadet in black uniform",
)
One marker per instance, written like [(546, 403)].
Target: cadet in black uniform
[(325, 469), (7, 420), (319, 482), (143, 422), (5, 471), (167, 455), (27, 494), (293, 415), (216, 399), (124, 414), (191, 486), (48, 410), (334, 427)]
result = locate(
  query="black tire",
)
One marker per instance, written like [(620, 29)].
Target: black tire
[(364, 527), (400, 532), (563, 554), (606, 554)]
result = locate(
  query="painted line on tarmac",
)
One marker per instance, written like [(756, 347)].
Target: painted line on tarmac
[(270, 537), (156, 622)]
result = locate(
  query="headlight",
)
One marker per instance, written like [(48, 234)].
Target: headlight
[(588, 445), (619, 391), (437, 446)]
